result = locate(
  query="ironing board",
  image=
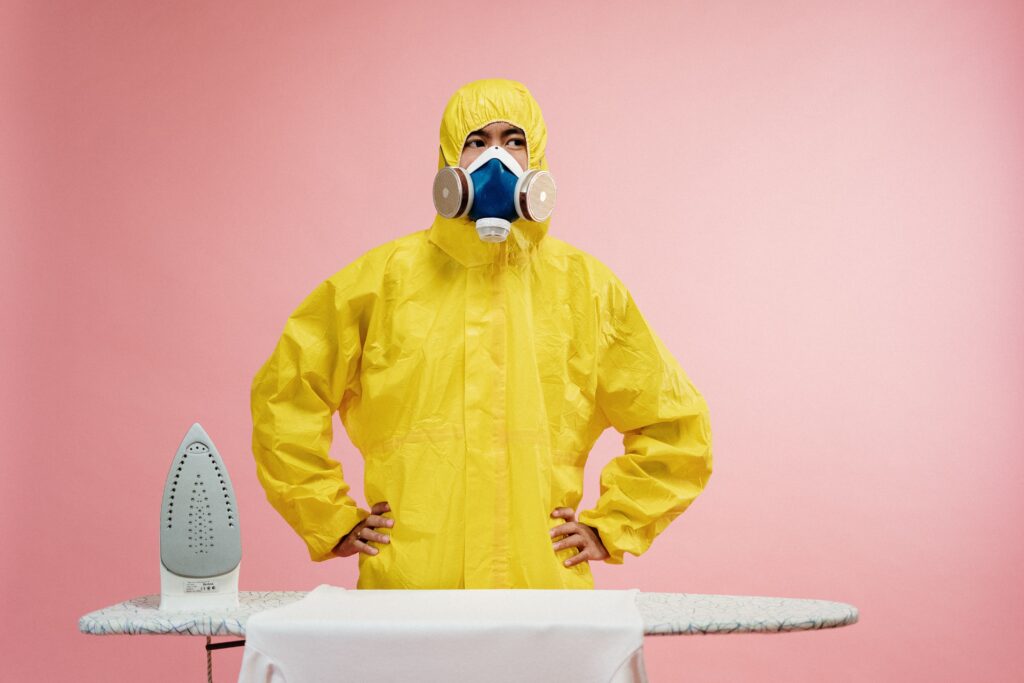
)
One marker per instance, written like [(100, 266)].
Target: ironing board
[(664, 614)]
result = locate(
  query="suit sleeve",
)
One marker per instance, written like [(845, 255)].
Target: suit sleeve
[(666, 431), (294, 397)]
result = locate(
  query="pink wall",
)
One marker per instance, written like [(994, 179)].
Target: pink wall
[(818, 207)]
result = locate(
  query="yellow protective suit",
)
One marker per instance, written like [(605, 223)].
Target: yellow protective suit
[(474, 379)]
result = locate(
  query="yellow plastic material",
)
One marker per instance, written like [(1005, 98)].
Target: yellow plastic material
[(474, 379)]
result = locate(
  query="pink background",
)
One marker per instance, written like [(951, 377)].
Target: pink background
[(818, 207)]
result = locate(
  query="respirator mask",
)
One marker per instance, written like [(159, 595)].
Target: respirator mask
[(494, 191)]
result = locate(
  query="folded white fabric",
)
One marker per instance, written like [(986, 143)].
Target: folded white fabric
[(335, 634)]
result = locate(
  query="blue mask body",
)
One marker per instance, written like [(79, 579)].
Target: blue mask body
[(494, 188)]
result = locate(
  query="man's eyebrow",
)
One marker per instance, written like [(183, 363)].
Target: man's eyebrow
[(507, 131)]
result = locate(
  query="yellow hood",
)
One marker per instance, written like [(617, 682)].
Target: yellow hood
[(472, 107)]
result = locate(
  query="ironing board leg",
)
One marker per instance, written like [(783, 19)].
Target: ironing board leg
[(210, 647)]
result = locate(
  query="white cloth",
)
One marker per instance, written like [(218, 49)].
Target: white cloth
[(335, 634)]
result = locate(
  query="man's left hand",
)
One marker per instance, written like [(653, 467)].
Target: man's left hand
[(577, 535)]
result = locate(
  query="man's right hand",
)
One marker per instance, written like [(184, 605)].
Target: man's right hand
[(359, 538)]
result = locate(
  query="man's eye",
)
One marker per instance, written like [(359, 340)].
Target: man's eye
[(474, 143), (517, 142)]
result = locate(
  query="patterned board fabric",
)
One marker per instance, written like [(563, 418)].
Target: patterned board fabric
[(663, 614), (140, 616), (671, 614)]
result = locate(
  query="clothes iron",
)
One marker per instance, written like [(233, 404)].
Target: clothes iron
[(200, 542)]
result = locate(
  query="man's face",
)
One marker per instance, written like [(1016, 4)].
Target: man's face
[(499, 133)]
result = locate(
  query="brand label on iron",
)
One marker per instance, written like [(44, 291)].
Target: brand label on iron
[(200, 586)]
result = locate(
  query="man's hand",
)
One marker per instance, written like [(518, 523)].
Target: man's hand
[(359, 538), (577, 535)]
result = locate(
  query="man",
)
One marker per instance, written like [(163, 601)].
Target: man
[(474, 377)]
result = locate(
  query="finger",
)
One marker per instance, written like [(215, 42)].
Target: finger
[(365, 547), (566, 529), (353, 533), (345, 550), (377, 521), (581, 556), (380, 508), (574, 541), (565, 513), (368, 534)]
